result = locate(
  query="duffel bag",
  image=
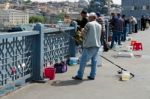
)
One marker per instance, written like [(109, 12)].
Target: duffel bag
[(60, 67)]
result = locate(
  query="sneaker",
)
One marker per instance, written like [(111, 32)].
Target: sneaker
[(76, 78), (90, 78)]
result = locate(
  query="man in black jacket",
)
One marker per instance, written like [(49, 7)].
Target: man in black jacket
[(84, 20)]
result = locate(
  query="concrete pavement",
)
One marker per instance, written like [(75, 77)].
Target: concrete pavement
[(105, 86)]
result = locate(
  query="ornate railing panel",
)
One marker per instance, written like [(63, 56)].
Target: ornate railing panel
[(16, 55), (56, 47), (15, 58)]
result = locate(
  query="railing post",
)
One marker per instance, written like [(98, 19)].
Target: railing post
[(72, 45), (38, 53)]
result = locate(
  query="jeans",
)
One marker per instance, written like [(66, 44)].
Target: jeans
[(116, 37), (130, 28), (88, 53), (124, 34), (127, 32)]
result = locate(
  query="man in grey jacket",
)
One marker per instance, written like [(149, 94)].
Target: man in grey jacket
[(91, 46)]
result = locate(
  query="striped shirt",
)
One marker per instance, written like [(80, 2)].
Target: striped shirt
[(101, 21)]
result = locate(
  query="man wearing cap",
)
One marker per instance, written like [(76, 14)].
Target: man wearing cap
[(101, 20), (91, 45)]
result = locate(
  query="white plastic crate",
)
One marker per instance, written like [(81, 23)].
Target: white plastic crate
[(99, 59), (125, 54)]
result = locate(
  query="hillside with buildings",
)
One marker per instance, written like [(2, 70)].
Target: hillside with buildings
[(19, 12), (16, 12)]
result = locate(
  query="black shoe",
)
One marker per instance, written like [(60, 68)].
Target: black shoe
[(76, 78), (90, 78)]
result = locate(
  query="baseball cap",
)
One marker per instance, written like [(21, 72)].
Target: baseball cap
[(98, 14)]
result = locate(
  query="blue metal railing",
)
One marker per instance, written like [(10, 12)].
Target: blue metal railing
[(23, 55)]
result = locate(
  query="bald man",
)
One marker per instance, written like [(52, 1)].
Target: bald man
[(91, 46)]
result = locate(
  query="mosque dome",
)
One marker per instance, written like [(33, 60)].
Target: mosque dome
[(97, 3), (84, 1)]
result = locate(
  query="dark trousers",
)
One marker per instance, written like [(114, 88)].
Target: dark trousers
[(143, 26), (124, 34), (136, 28)]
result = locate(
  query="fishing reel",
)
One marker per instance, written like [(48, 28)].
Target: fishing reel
[(119, 71)]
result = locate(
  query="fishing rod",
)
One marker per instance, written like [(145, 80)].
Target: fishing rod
[(122, 69)]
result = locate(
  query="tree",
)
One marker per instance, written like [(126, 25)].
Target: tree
[(101, 6), (27, 1), (35, 19), (60, 16)]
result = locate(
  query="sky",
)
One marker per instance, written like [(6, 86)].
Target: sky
[(115, 1)]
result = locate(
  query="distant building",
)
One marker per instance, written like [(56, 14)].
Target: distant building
[(83, 3), (33, 12), (136, 8), (10, 18), (6, 6), (115, 9), (74, 15), (2, 1)]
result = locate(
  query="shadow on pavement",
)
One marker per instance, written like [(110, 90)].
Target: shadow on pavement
[(67, 82)]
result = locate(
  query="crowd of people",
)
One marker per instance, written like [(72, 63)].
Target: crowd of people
[(92, 27), (122, 26)]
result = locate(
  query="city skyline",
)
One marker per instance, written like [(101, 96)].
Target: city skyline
[(115, 1)]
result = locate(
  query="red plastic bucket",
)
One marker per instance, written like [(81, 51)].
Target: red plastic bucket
[(49, 72)]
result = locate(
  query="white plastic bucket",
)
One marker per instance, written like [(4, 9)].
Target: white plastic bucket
[(73, 60), (125, 76)]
